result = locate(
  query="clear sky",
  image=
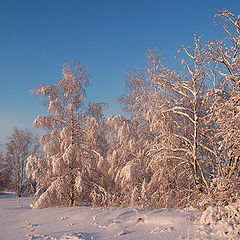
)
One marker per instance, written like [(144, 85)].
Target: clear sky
[(109, 37)]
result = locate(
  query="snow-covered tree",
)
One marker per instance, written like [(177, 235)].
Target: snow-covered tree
[(72, 142), (127, 158), (225, 54), (178, 146), (183, 129), (36, 171), (169, 109), (1, 172), (190, 88), (4, 173), (164, 170), (21, 144)]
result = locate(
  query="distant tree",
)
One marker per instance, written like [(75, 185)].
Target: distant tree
[(20, 145), (5, 174), (1, 172), (3, 183)]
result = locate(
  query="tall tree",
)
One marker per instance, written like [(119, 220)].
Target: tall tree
[(190, 89), (66, 142), (156, 147), (225, 54)]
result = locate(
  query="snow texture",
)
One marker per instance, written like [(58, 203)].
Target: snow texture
[(19, 221)]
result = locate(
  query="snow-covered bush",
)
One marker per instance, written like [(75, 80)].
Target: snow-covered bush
[(222, 220), (36, 172), (55, 195), (224, 191)]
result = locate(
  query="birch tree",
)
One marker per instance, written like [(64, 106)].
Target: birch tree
[(170, 109), (21, 144), (127, 159), (149, 99), (5, 179), (65, 142), (1, 172), (191, 89), (225, 54), (37, 168)]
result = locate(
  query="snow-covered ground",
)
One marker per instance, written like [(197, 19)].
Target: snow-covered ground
[(18, 221)]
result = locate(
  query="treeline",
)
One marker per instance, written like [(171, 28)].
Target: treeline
[(13, 159), (179, 147)]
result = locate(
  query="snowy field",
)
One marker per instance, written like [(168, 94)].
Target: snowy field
[(18, 221)]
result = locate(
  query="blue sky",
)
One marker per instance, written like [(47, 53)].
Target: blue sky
[(109, 37)]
